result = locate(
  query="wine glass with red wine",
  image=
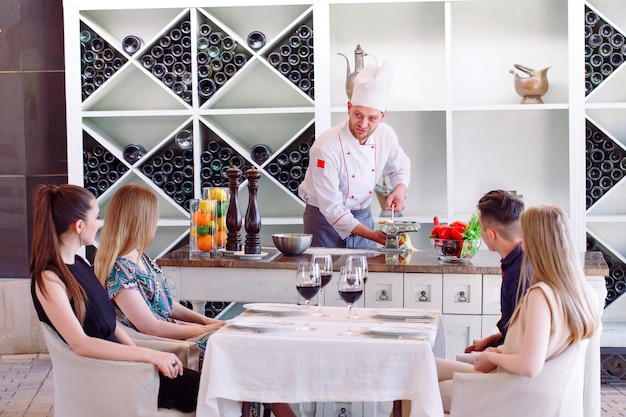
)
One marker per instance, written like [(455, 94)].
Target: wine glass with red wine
[(325, 263), (308, 284), (357, 261), (350, 290)]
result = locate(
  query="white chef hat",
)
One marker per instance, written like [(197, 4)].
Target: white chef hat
[(372, 86)]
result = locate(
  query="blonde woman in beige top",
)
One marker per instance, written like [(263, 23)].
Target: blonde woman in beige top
[(558, 309)]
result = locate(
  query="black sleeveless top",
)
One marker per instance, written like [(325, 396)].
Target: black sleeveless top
[(100, 315)]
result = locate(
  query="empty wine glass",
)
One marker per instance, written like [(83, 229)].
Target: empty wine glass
[(357, 261), (308, 283), (325, 263), (350, 290)]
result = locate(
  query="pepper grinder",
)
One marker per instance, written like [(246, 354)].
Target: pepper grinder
[(253, 215), (233, 215)]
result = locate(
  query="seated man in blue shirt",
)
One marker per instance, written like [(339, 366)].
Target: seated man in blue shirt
[(500, 230)]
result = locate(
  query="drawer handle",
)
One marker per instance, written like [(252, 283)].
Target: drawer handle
[(383, 296), (423, 296), (462, 298)]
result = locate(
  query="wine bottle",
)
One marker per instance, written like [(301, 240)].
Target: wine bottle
[(147, 169), (228, 43), (132, 153), (170, 188), (167, 168), (256, 40), (177, 177), (205, 29), (131, 44), (260, 153), (176, 34), (240, 60), (157, 52), (188, 171), (147, 61), (273, 169), (112, 176), (165, 42)]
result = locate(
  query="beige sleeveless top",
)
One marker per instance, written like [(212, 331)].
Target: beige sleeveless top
[(560, 335)]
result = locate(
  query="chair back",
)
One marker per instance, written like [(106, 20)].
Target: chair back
[(101, 388), (557, 391)]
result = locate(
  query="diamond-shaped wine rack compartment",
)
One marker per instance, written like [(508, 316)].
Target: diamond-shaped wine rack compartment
[(290, 165), (604, 49), (293, 58), (616, 280), (606, 163), (101, 168), (219, 58), (99, 60), (171, 169), (216, 158), (169, 59)]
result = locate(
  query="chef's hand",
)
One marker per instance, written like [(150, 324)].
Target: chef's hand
[(376, 235), (396, 198)]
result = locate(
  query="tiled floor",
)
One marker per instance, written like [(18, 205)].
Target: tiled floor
[(26, 389)]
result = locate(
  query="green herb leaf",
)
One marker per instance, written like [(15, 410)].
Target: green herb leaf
[(473, 228)]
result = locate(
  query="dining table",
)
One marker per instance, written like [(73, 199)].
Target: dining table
[(264, 356)]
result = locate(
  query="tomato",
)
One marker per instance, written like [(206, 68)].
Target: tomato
[(455, 234)]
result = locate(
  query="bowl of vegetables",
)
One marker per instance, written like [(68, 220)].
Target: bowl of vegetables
[(457, 241)]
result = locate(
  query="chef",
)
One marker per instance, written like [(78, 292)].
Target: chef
[(346, 163)]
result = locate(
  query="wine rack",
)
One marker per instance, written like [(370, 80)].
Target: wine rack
[(219, 57), (616, 280), (289, 166), (216, 157), (293, 58), (101, 168), (171, 169), (169, 59), (606, 163), (99, 60), (605, 49), (438, 108)]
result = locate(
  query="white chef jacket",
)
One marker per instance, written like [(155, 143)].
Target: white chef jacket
[(342, 173)]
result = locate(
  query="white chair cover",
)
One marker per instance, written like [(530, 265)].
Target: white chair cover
[(187, 351), (102, 388), (557, 391)]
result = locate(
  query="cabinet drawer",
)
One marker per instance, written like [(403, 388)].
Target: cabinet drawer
[(423, 291), (489, 325), (460, 333), (491, 294), (171, 277), (383, 290), (462, 294)]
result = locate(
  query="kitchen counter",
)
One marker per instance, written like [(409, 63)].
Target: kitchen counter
[(421, 261), (467, 294)]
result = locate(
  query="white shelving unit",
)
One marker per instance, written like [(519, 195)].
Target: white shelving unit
[(453, 104)]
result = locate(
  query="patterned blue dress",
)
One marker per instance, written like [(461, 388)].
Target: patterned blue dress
[(153, 287)]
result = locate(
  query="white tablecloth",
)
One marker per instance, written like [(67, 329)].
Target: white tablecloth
[(293, 366)]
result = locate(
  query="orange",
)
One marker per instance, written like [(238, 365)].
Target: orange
[(220, 237), (201, 218), (205, 243)]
